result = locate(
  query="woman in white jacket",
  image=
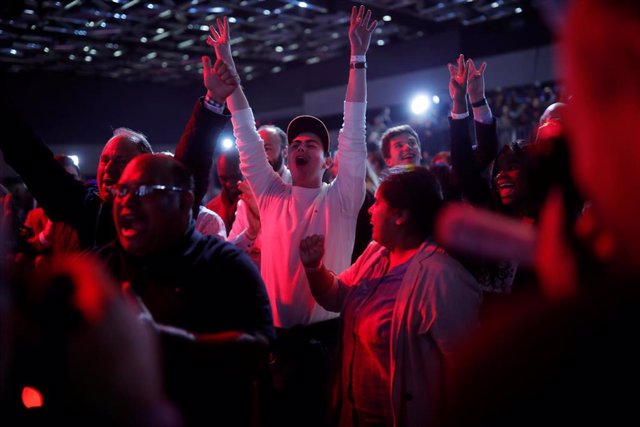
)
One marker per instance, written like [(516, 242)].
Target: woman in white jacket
[(405, 305)]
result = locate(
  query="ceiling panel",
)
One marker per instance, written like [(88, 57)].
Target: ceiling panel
[(163, 40)]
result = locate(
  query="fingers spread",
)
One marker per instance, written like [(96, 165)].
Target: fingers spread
[(452, 70), (214, 33), (225, 26), (365, 21), (472, 66), (221, 26)]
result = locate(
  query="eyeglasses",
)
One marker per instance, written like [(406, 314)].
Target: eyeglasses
[(141, 190)]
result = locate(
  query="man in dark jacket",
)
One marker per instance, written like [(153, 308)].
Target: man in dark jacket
[(204, 296)]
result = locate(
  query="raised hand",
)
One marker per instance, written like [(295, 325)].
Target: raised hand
[(220, 40), (312, 251), (458, 79), (360, 30), (458, 85), (475, 81), (219, 80), (220, 84), (253, 214)]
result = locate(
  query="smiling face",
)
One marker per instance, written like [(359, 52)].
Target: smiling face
[(307, 160), (507, 181), (117, 153), (507, 185), (152, 222), (403, 150)]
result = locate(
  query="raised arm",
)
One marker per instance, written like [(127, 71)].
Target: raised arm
[(220, 40), (360, 31), (253, 159), (351, 139), (474, 187), (486, 135), (198, 141), (61, 196)]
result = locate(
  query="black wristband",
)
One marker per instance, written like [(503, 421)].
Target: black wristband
[(358, 65), (480, 103)]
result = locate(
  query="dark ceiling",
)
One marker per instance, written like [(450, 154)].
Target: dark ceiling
[(163, 40)]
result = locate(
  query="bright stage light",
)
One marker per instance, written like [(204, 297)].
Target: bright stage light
[(227, 144), (420, 104)]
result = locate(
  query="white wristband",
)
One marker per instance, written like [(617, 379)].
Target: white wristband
[(358, 58), (458, 116), (212, 105)]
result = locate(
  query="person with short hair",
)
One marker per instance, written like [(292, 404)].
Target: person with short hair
[(203, 295), (228, 170), (401, 146)]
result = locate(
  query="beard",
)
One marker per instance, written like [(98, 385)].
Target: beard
[(276, 164)]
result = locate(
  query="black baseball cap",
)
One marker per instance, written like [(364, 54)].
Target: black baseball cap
[(311, 124)]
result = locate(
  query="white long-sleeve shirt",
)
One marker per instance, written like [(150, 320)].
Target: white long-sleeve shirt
[(238, 233), (289, 213)]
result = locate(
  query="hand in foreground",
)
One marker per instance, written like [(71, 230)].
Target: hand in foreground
[(253, 214), (312, 251)]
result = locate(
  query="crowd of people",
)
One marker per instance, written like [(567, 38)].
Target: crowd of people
[(325, 288), (517, 110)]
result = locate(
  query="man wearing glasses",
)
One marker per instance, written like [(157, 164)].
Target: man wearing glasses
[(203, 295), (86, 208)]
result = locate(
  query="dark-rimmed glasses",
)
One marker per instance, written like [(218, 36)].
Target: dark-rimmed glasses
[(141, 190)]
